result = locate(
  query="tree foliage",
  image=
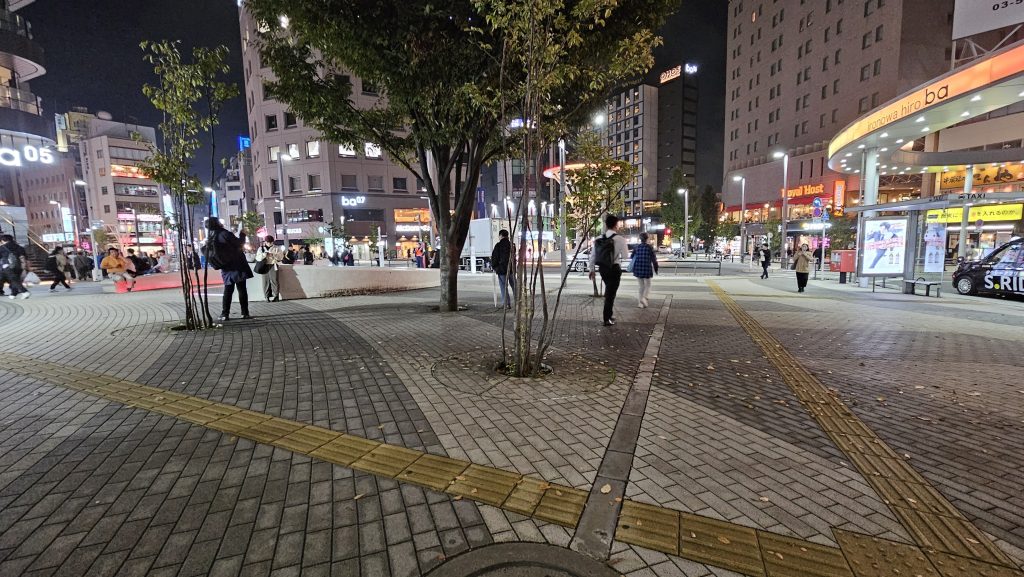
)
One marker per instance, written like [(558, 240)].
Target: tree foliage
[(707, 206), (190, 94), (595, 187)]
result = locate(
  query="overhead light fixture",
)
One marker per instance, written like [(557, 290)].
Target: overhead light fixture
[(976, 98), (899, 141), (856, 172), (925, 129), (919, 119), (883, 149), (966, 113), (859, 146), (849, 154)]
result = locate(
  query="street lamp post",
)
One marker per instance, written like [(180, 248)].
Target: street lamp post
[(743, 213), (561, 203), (72, 184), (785, 208), (281, 157), (686, 220)]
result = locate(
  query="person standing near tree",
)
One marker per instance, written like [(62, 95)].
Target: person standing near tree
[(271, 256), (502, 264), (225, 252), (644, 266), (608, 251)]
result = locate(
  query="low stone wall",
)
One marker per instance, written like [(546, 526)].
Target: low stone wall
[(307, 282)]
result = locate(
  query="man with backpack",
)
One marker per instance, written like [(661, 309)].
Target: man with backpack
[(12, 264), (609, 250), (225, 252)]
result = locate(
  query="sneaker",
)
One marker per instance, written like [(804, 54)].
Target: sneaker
[(247, 317), (24, 295), (53, 290), (223, 319), (609, 323)]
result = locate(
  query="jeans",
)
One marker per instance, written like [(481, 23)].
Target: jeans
[(271, 289), (505, 281), (243, 298), (13, 277), (645, 290), (611, 276), (59, 278)]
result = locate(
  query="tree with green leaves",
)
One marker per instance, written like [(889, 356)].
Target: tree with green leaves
[(673, 204), (557, 61), (707, 207), (251, 221), (190, 94), (451, 78)]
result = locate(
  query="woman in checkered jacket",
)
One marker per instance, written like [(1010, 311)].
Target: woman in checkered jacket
[(644, 266)]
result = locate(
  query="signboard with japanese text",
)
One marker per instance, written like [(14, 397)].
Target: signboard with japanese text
[(885, 243), (984, 175), (972, 17), (985, 212)]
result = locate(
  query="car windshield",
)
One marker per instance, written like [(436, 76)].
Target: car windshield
[(1008, 256)]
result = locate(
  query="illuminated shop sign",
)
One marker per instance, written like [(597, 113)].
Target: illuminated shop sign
[(984, 175), (139, 217), (671, 74), (127, 171), (805, 190), (839, 197), (411, 228), (987, 213), (19, 156), (353, 200), (690, 68)]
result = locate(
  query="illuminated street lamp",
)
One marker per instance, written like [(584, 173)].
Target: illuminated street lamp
[(686, 220), (743, 212), (784, 156)]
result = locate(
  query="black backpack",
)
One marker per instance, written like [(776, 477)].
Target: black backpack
[(51, 264), (9, 258), (604, 251), (213, 259)]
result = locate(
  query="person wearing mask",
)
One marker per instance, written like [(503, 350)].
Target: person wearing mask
[(13, 263), (56, 264), (269, 257), (765, 256), (502, 264), (802, 264), (118, 268), (644, 266), (226, 252), (608, 251)]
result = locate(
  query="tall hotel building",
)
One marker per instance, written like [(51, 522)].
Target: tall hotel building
[(324, 182), (799, 71)]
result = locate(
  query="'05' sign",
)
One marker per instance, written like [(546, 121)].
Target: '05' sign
[(28, 153)]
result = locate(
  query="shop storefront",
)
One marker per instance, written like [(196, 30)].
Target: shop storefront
[(142, 232), (991, 226)]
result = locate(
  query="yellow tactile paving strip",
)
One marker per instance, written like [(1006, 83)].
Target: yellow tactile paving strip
[(929, 518), (701, 539)]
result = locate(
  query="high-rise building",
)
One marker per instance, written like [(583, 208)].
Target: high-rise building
[(25, 132), (677, 125), (119, 195), (798, 72), (233, 198), (356, 185), (631, 133)]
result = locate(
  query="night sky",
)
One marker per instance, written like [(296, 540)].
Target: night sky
[(93, 60)]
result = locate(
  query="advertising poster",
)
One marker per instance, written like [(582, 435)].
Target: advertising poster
[(885, 242), (972, 17), (935, 247)]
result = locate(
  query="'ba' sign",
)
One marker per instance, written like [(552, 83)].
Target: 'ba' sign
[(28, 153)]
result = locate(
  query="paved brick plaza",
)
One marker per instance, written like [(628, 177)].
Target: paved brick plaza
[(776, 435)]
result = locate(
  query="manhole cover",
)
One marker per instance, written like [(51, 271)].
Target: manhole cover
[(522, 560)]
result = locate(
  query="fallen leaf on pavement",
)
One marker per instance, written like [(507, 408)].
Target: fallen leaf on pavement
[(724, 540), (606, 488)]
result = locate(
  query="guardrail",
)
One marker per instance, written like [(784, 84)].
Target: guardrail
[(684, 266)]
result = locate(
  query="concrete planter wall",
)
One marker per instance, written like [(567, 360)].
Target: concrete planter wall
[(305, 282)]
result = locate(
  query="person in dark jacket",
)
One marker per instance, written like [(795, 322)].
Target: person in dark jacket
[(501, 263), (645, 265), (56, 264), (234, 268), (13, 263), (765, 255)]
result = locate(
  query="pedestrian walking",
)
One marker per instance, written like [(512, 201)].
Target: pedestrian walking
[(83, 265), (765, 256), (268, 259), (225, 252), (503, 266), (307, 255), (56, 264), (802, 263), (118, 268), (13, 263), (608, 251), (644, 266)]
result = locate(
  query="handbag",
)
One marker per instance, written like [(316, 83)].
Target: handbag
[(261, 267), (629, 267)]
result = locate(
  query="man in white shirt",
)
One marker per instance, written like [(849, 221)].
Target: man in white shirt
[(608, 251)]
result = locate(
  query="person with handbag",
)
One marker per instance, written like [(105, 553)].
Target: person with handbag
[(643, 265), (268, 259), (802, 264)]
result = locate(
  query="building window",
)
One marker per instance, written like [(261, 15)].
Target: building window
[(398, 184), (313, 149), (290, 121), (371, 150), (865, 40), (271, 122), (375, 183), (878, 33), (865, 72), (103, 190), (294, 185), (878, 67), (273, 152), (314, 183), (293, 151), (349, 182), (369, 88), (274, 188), (99, 153), (862, 106), (106, 209), (346, 150)]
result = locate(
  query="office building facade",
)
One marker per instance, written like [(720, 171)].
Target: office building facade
[(798, 72)]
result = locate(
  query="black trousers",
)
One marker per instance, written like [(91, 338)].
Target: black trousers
[(243, 298), (764, 266), (59, 278), (801, 280), (12, 277), (611, 276)]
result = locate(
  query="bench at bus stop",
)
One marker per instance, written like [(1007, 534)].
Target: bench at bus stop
[(927, 284)]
